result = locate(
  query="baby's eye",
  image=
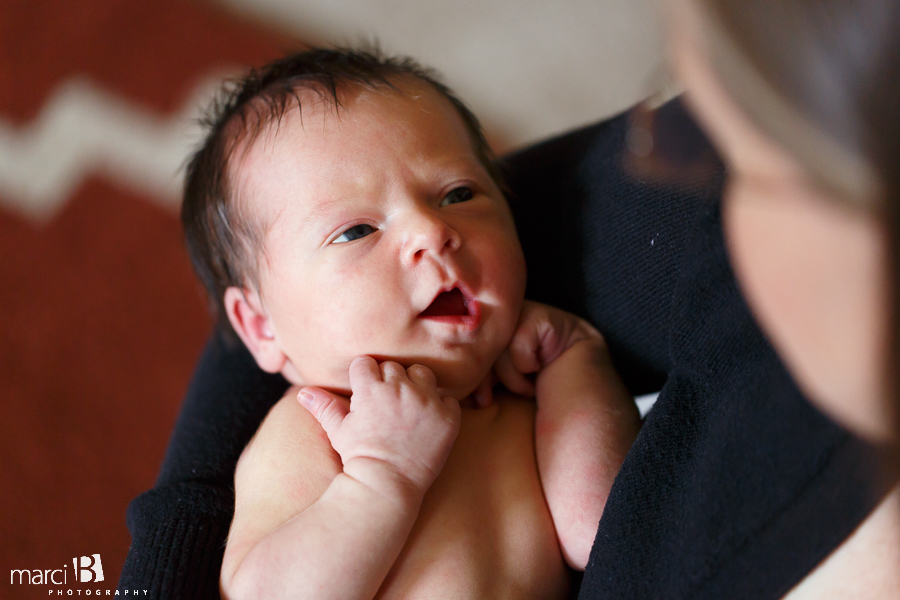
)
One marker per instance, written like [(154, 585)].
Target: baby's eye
[(460, 194), (354, 233)]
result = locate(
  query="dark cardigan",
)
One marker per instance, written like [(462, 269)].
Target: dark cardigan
[(735, 488)]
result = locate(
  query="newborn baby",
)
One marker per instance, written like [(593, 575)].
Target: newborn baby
[(346, 216)]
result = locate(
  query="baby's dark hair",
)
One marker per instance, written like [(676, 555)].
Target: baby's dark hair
[(225, 243)]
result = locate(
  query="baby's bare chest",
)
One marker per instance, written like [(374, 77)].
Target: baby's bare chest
[(484, 529)]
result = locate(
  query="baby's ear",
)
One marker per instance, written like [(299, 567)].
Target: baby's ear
[(249, 320)]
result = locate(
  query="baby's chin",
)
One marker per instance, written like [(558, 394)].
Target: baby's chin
[(453, 380), (459, 382), (462, 394)]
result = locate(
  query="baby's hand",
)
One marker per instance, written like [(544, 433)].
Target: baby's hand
[(543, 333), (396, 425)]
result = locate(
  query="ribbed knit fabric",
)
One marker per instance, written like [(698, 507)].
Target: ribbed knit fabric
[(181, 530), (735, 488), (178, 529)]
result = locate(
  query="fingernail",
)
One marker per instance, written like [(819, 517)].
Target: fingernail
[(305, 398)]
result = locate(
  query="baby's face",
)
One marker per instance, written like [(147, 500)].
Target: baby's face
[(385, 236)]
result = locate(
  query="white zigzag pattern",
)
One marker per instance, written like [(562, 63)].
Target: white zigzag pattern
[(83, 129)]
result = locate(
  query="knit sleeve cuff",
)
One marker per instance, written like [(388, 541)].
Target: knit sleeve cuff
[(178, 535)]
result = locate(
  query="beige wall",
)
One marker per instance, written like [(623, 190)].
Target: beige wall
[(529, 68)]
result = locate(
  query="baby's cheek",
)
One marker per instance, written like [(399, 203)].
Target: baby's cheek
[(509, 270)]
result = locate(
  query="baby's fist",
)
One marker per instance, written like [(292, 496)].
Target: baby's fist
[(396, 423), (543, 333)]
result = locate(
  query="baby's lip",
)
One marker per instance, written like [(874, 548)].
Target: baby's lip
[(455, 305), (447, 303)]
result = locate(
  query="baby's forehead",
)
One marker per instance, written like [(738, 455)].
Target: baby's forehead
[(306, 106), (303, 135), (271, 126), (310, 117)]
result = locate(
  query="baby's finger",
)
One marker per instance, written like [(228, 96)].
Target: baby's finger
[(422, 376), (514, 380), (391, 371), (363, 370), (524, 348), (328, 409), (454, 412)]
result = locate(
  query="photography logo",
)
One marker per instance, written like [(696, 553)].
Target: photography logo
[(88, 569)]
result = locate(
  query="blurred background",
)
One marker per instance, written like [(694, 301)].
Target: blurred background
[(101, 321)]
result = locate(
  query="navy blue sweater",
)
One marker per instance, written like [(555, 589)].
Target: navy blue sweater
[(735, 488)]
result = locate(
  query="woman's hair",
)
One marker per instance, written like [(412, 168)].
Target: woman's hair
[(822, 78)]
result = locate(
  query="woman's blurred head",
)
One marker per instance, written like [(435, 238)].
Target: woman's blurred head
[(801, 98)]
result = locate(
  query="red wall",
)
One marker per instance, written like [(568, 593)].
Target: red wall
[(100, 318)]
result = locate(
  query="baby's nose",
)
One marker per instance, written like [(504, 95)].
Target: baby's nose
[(429, 234)]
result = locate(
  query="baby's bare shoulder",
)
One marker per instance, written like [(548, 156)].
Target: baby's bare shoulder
[(289, 449), (284, 469)]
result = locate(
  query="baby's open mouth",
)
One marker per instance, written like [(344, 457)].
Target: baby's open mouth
[(448, 304)]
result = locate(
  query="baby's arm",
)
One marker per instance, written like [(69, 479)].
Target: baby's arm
[(307, 527), (586, 420)]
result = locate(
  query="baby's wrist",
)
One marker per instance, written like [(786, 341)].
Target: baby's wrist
[(594, 345), (386, 480), (584, 331)]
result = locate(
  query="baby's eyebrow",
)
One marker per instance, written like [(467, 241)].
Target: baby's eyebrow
[(323, 208)]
